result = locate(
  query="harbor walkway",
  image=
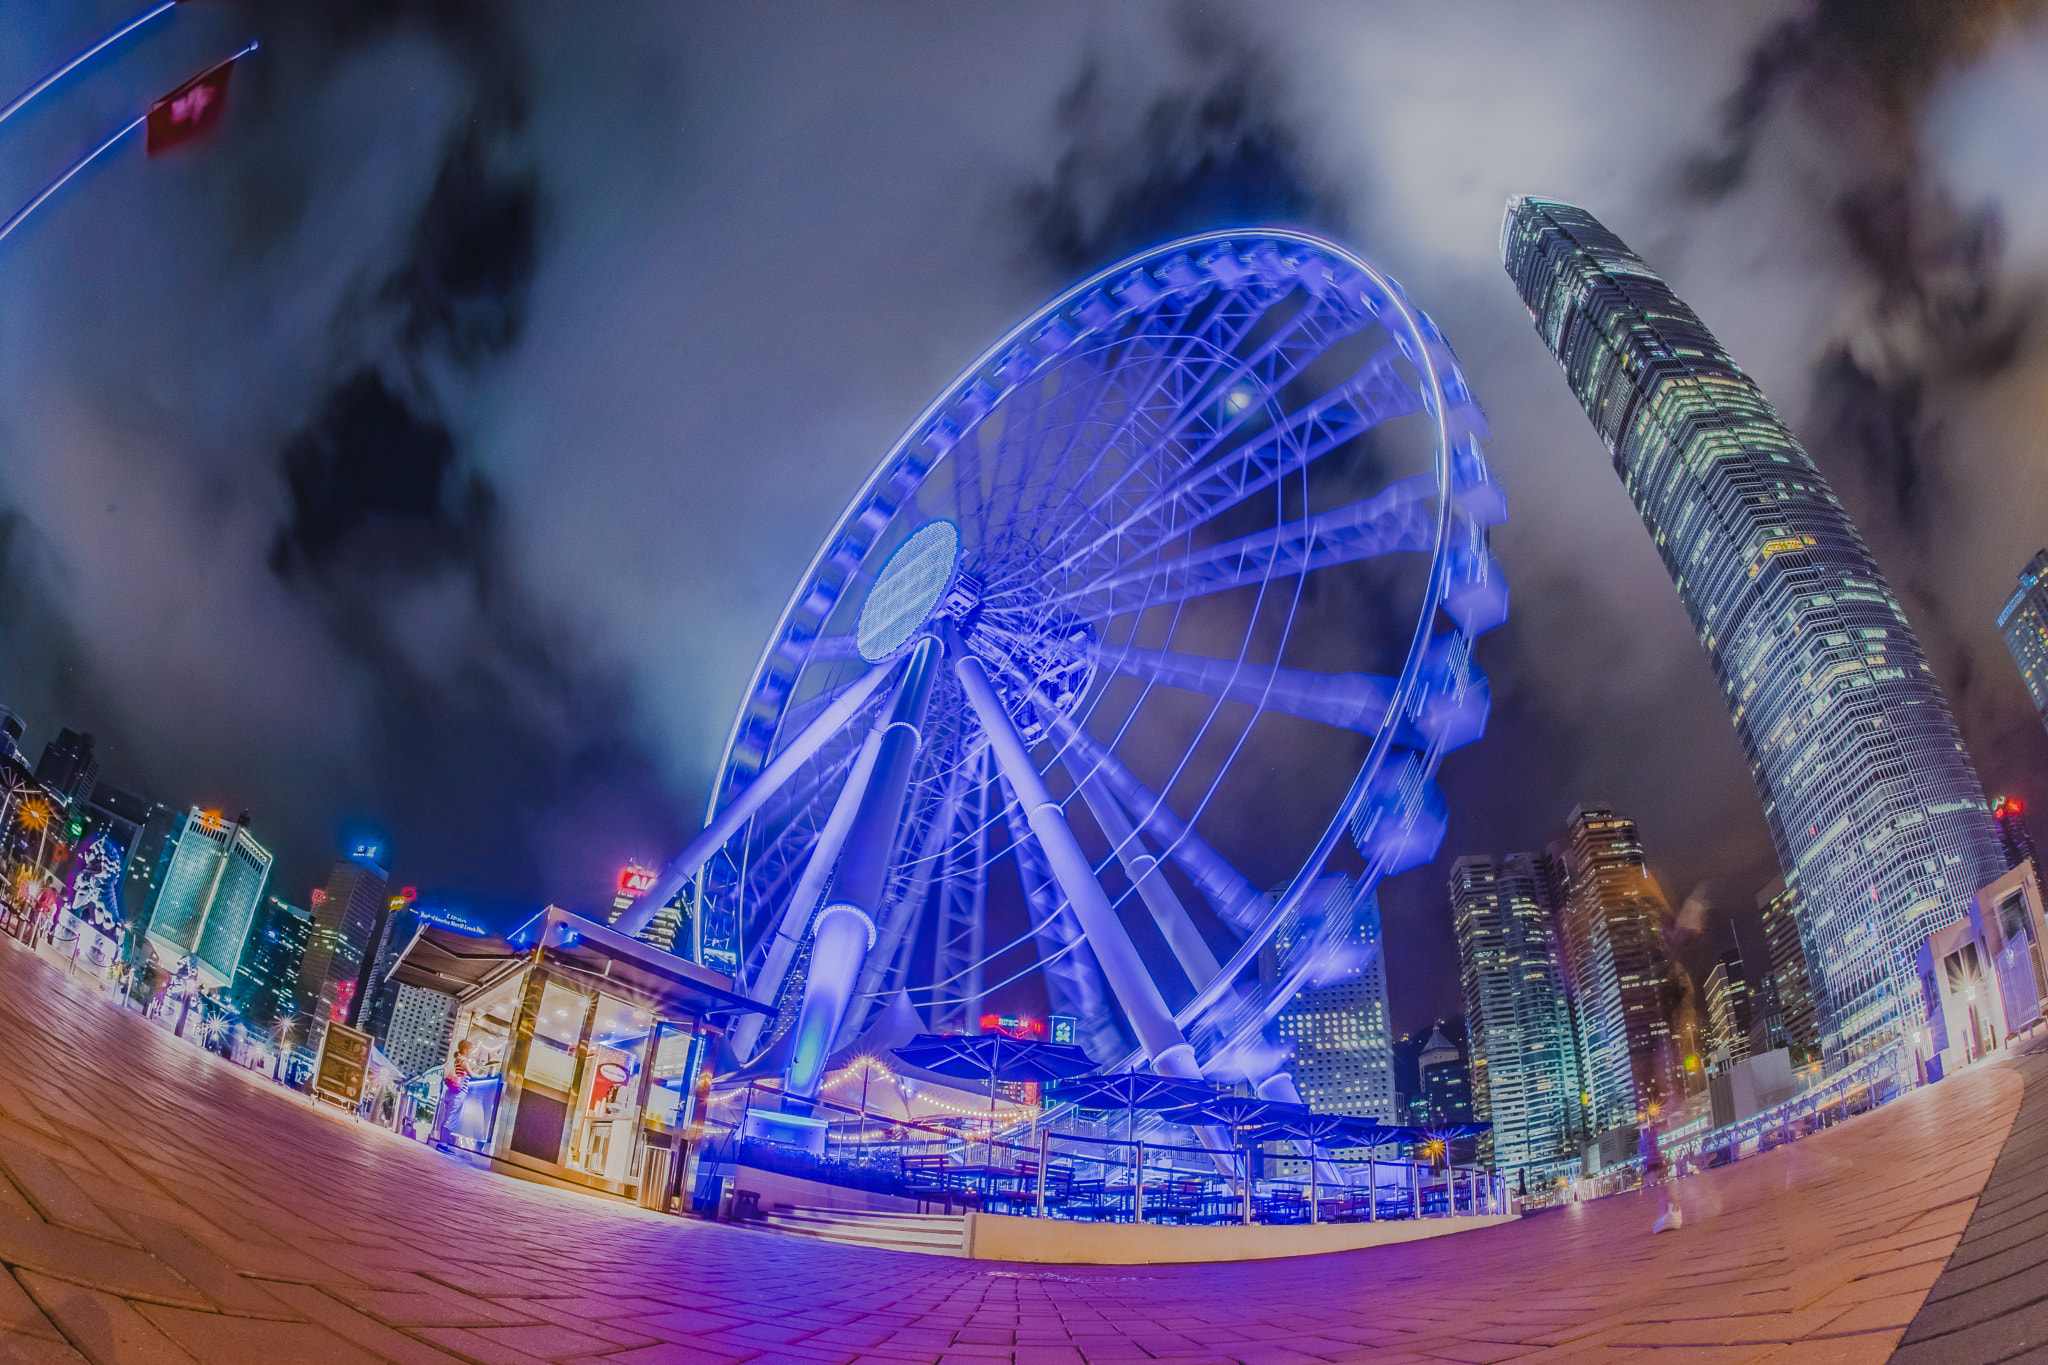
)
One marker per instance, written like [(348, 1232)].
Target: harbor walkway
[(156, 1205)]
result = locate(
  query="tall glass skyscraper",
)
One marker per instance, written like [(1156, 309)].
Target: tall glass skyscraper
[(1624, 984), (1343, 1046), (209, 896), (2024, 623), (1525, 1075), (1875, 809)]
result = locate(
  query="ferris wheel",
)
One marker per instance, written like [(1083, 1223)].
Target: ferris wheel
[(1130, 667)]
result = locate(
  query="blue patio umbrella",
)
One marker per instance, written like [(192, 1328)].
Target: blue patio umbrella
[(996, 1056), (1131, 1091)]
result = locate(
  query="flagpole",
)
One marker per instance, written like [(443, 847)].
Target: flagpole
[(32, 205), (61, 72)]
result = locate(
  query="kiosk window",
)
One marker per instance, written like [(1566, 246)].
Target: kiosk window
[(556, 1031)]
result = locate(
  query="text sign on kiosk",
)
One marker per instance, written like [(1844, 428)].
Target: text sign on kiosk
[(344, 1065)]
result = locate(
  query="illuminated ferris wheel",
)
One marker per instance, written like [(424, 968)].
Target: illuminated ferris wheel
[(1135, 658)]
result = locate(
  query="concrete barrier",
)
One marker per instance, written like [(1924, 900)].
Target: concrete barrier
[(1054, 1241)]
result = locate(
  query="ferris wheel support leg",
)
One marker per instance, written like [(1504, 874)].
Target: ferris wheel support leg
[(796, 915), (1237, 901), (1135, 990), (1189, 947), (846, 928), (779, 770)]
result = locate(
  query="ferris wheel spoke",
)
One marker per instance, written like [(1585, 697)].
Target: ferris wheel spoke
[(1376, 394), (1399, 519), (1190, 949), (1350, 701), (1073, 979), (1276, 362), (963, 900), (729, 821), (1237, 902), (795, 919), (929, 824), (1118, 957)]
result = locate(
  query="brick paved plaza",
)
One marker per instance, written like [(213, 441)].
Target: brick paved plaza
[(160, 1207)]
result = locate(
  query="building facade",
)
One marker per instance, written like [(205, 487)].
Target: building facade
[(1870, 799), (345, 914), (1624, 984), (1343, 1059), (212, 884), (68, 767), (1790, 987), (1730, 1011), (416, 1036), (2024, 623), (2015, 840), (266, 983), (1525, 1079)]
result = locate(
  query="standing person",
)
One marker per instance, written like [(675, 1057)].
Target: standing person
[(453, 1082)]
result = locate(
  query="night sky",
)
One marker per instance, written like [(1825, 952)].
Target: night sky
[(431, 450)]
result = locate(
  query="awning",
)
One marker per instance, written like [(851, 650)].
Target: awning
[(579, 951)]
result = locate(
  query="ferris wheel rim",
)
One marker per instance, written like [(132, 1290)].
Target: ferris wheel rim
[(1414, 327)]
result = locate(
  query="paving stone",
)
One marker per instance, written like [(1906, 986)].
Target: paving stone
[(226, 1220)]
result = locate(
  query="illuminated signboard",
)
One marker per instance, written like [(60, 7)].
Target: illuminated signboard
[(634, 880)]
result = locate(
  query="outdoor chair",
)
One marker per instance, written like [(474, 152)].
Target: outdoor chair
[(1089, 1199), (1282, 1206), (924, 1179)]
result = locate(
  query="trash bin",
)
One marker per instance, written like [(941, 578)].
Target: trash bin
[(654, 1178)]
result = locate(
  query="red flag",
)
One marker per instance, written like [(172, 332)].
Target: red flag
[(190, 110)]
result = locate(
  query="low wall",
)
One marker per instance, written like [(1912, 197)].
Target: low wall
[(1055, 1241), (776, 1188)]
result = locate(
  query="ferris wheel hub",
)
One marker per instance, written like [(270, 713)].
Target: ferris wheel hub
[(908, 590)]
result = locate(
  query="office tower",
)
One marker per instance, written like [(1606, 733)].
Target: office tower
[(1864, 783), (2024, 623), (1343, 1059), (2015, 840), (1624, 983), (1730, 1011), (266, 983), (117, 812), (376, 993), (661, 931), (11, 730), (68, 768), (1446, 1081), (1524, 1063), (211, 887), (345, 914), (416, 1038), (1791, 986)]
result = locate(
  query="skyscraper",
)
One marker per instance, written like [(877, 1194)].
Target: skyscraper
[(1868, 795), (1730, 1010), (1790, 986), (1446, 1077), (67, 768), (1623, 980), (211, 888), (266, 981), (2024, 623), (2015, 840), (1343, 1060), (376, 993), (416, 1038), (345, 915), (1524, 1062)]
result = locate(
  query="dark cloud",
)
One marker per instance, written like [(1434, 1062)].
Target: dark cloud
[(1213, 149)]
